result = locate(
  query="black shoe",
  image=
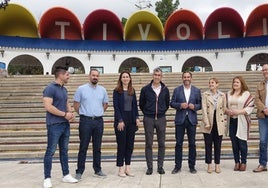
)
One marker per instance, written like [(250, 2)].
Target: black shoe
[(149, 171), (175, 170), (193, 170), (161, 170)]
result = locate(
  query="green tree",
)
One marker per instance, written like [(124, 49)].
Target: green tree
[(123, 21), (164, 8)]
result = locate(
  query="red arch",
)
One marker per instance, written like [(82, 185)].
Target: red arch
[(93, 26), (183, 16), (254, 24), (232, 23), (48, 29)]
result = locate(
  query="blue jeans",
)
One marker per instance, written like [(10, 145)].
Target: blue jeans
[(263, 131), (57, 134), (240, 147), (191, 132), (90, 128)]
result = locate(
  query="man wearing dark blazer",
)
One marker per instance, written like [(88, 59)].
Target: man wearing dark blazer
[(186, 100)]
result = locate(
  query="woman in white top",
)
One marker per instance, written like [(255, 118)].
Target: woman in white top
[(240, 104)]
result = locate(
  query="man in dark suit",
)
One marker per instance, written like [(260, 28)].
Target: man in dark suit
[(186, 100)]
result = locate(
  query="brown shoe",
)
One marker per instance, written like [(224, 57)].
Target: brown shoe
[(237, 167), (260, 168), (209, 170), (243, 167), (217, 168)]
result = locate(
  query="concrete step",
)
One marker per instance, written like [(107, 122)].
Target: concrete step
[(22, 116)]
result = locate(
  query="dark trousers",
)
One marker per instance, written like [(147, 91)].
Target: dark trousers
[(191, 132), (215, 139), (240, 147), (149, 125), (90, 128), (125, 140)]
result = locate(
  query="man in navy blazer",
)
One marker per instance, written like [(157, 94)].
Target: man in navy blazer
[(186, 99)]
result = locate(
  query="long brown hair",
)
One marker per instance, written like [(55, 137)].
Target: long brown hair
[(119, 87), (244, 86)]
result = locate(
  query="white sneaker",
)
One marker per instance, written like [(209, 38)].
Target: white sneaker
[(47, 183), (69, 179)]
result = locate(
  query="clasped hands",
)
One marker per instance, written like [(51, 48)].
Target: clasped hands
[(186, 105), (70, 116), (121, 125)]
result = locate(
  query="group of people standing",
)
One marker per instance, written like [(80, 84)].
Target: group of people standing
[(91, 101)]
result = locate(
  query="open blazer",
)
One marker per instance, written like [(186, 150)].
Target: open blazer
[(118, 103), (260, 98), (178, 97)]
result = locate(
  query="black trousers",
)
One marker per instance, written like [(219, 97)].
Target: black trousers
[(216, 140), (125, 140)]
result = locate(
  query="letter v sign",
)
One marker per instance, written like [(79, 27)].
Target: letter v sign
[(144, 34)]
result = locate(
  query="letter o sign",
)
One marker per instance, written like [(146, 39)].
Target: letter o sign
[(187, 31)]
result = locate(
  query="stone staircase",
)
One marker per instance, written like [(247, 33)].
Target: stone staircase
[(22, 115)]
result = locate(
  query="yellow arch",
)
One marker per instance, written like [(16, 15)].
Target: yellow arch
[(16, 20), (139, 22)]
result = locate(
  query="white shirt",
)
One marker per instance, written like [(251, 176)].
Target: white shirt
[(157, 89), (187, 93)]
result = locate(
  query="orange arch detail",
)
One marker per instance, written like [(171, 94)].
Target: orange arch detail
[(57, 19), (232, 23), (102, 25), (256, 21), (183, 16)]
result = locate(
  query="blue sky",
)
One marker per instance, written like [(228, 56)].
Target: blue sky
[(125, 8)]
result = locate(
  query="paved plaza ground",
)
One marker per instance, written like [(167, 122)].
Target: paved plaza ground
[(17, 174)]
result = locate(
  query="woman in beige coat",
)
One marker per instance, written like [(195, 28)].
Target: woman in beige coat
[(213, 123)]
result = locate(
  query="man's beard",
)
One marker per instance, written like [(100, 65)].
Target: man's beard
[(94, 81)]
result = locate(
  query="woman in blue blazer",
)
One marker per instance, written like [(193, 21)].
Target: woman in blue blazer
[(126, 121)]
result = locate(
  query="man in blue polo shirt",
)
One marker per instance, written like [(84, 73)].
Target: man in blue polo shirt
[(58, 115), (90, 102)]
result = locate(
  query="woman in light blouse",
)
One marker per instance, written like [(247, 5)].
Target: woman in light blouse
[(213, 123), (126, 120), (240, 104)]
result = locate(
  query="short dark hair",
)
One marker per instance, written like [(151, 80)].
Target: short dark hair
[(93, 69), (187, 72), (59, 69)]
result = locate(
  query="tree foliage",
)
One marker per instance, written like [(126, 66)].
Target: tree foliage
[(123, 21), (164, 8)]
